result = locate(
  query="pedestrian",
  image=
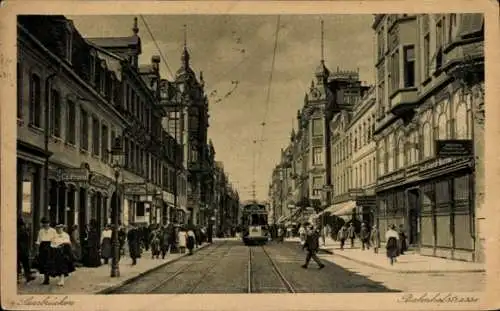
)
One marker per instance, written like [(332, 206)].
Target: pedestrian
[(133, 237), (210, 233), (23, 250), (106, 244), (281, 234), (312, 245), (392, 243), (375, 238), (181, 240), (342, 236), (164, 241), (364, 235), (351, 233), (403, 247), (45, 236), (61, 258), (76, 245), (155, 244), (93, 245), (190, 240)]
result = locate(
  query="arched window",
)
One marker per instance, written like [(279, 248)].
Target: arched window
[(390, 153), (381, 159), (428, 139), (401, 151), (442, 126), (461, 122)]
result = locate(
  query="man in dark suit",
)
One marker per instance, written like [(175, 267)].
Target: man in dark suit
[(312, 246)]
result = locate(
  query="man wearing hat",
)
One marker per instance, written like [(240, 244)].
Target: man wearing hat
[(45, 236)]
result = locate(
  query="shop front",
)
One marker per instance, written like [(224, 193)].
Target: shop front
[(434, 204), (29, 180)]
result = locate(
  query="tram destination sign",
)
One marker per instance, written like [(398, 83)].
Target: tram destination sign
[(454, 148)]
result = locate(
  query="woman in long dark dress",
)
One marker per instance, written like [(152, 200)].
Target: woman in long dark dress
[(392, 244), (133, 237), (61, 255), (93, 258), (190, 240), (45, 236)]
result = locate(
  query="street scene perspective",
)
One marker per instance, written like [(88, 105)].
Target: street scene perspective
[(188, 154)]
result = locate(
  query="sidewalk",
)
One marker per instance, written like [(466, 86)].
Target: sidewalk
[(410, 262), (97, 280)]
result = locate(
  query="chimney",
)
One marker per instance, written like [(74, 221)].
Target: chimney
[(155, 61)]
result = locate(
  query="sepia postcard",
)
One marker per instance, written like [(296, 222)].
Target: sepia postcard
[(249, 155)]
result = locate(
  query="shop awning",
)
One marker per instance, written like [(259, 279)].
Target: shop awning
[(345, 208)]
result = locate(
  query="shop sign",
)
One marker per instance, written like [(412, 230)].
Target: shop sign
[(101, 181), (454, 148), (75, 174), (135, 189), (435, 164)]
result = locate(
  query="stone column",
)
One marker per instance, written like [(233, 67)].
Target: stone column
[(479, 178)]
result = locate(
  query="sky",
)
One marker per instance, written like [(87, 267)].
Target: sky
[(230, 48)]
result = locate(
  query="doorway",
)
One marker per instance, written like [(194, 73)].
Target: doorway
[(82, 213), (414, 217)]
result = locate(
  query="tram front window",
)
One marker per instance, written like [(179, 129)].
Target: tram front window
[(258, 220)]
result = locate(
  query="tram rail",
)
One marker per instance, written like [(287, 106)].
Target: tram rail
[(286, 284), (156, 286)]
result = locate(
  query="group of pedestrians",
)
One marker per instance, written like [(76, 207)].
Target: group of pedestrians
[(59, 250), (395, 239)]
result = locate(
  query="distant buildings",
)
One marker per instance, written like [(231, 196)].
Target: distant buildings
[(76, 97), (382, 154)]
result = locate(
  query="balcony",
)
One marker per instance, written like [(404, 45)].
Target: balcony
[(403, 102)]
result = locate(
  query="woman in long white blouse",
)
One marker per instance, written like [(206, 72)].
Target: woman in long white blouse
[(106, 244), (45, 236), (61, 259)]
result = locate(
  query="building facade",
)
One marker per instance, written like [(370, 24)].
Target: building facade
[(423, 102), (354, 160), (75, 97)]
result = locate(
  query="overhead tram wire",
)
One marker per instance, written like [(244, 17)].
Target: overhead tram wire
[(157, 46), (268, 97)]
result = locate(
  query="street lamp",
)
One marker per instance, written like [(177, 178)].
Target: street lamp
[(118, 157)]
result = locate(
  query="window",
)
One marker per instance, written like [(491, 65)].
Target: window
[(409, 66), (19, 91), (381, 43), (141, 210), (111, 86), (394, 71), (92, 68), (428, 140), (102, 79), (35, 101), (452, 27), (427, 56), (439, 34), (317, 127), (355, 140), (461, 187), (70, 122), (69, 44), (390, 153), (55, 113), (401, 152), (104, 143), (462, 116), (381, 160), (442, 132), (84, 129), (317, 156), (96, 137)]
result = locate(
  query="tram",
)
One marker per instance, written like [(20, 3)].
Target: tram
[(254, 224)]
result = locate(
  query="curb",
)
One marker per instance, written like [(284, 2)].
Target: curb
[(111, 289), (402, 271)]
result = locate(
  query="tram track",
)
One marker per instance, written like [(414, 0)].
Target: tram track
[(149, 283), (253, 288)]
